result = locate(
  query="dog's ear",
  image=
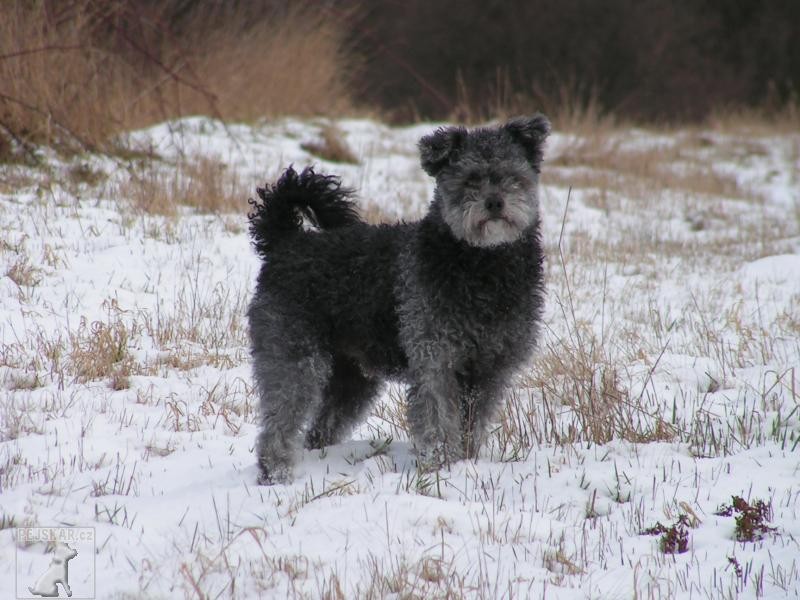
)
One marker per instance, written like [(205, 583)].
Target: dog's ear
[(437, 149), (530, 133)]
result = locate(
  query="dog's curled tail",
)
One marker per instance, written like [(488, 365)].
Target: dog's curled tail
[(320, 198)]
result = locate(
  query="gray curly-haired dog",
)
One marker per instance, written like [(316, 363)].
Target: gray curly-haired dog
[(449, 305)]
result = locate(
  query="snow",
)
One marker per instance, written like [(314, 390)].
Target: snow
[(695, 318)]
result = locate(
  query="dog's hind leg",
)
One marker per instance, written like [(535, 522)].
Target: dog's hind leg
[(290, 389), (348, 395)]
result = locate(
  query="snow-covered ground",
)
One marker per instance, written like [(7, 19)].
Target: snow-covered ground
[(668, 381)]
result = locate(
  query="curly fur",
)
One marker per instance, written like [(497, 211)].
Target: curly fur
[(450, 305), (319, 198)]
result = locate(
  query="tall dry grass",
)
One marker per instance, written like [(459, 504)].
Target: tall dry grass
[(294, 64), (74, 74), (576, 108), (571, 107), (54, 82)]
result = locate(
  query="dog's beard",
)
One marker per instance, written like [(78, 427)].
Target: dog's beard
[(472, 223)]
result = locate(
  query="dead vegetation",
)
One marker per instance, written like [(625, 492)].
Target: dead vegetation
[(675, 538), (603, 160), (202, 327), (74, 75), (757, 122), (23, 273), (204, 183), (574, 391), (751, 518), (331, 146), (101, 350)]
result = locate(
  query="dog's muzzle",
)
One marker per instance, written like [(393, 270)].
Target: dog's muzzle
[(494, 206)]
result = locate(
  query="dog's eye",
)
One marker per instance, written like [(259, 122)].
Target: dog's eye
[(516, 183), (473, 179)]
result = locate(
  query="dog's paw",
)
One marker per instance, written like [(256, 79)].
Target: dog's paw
[(273, 476), (434, 457), (316, 439), (265, 479)]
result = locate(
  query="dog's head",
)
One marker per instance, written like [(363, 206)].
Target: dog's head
[(63, 553), (487, 178)]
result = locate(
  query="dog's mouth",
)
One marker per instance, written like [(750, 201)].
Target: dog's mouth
[(479, 227), (498, 219), (494, 230)]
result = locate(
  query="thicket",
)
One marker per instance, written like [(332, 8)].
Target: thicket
[(646, 60)]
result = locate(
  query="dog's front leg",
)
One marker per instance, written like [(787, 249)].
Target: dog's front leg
[(434, 418), (479, 406)]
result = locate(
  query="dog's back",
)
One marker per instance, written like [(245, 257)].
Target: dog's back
[(315, 279), (341, 283)]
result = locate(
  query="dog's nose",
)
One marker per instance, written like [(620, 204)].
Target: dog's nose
[(494, 204)]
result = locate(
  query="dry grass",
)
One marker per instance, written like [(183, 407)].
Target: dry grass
[(18, 418), (765, 121), (201, 182), (593, 378), (599, 153), (204, 317), (578, 392), (601, 161), (23, 273), (575, 391), (296, 64), (331, 146), (227, 406), (101, 350), (571, 108), (82, 174), (15, 178), (55, 84), (576, 109), (203, 325), (74, 75)]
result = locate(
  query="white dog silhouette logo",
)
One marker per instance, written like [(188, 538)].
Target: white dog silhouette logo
[(58, 572)]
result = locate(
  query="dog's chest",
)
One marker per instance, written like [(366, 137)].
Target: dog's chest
[(484, 287), (486, 310), (477, 308)]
